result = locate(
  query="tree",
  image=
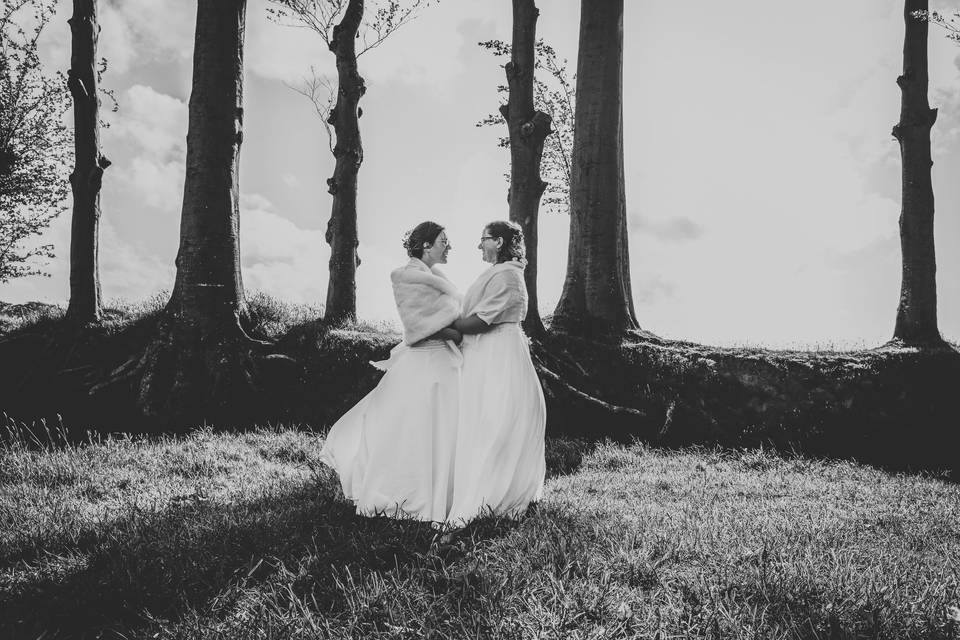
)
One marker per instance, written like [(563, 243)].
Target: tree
[(201, 363), (34, 143), (87, 176), (528, 129), (554, 93), (916, 322), (548, 93), (596, 298), (344, 115)]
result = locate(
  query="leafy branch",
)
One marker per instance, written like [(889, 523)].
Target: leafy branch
[(950, 23), (35, 146), (554, 94)]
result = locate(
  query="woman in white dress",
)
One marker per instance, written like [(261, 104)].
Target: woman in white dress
[(500, 457), (394, 449)]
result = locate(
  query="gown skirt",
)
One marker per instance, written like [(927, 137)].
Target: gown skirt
[(500, 463), (394, 449)]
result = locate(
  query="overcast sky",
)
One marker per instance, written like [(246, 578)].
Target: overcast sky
[(763, 184)]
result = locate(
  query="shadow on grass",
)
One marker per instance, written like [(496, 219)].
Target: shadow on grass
[(565, 455), (153, 566)]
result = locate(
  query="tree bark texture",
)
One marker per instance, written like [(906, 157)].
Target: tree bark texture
[(528, 129), (87, 176), (917, 311), (596, 298), (201, 356), (342, 233)]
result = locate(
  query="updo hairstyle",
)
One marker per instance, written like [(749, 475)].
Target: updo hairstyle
[(423, 233), (513, 247)]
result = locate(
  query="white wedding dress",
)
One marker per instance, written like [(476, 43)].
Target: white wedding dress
[(394, 450), (500, 464)]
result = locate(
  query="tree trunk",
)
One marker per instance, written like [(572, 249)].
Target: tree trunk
[(596, 298), (528, 130), (200, 366), (917, 312), (342, 229), (87, 176)]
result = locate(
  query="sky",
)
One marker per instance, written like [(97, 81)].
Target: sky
[(762, 180)]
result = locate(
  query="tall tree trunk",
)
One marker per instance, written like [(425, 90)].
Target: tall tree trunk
[(528, 130), (208, 284), (597, 299), (87, 176), (342, 229), (201, 364), (917, 312)]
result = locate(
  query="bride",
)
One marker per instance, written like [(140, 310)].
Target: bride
[(394, 449), (500, 435)]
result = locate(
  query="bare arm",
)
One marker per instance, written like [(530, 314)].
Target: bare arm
[(471, 324)]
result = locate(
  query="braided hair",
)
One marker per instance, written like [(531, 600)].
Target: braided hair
[(513, 247), (423, 233)]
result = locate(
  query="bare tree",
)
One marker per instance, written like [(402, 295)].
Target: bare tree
[(596, 298), (90, 163), (35, 149), (916, 322), (342, 26)]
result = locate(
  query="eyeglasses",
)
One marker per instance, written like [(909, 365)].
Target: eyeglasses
[(482, 238)]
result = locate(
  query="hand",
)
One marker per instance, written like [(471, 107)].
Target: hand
[(447, 333)]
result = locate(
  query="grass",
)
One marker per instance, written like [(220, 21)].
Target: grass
[(269, 317), (244, 535)]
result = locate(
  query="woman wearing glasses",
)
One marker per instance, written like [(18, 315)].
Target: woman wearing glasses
[(499, 464)]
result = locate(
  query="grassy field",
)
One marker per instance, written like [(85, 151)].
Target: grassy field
[(243, 535)]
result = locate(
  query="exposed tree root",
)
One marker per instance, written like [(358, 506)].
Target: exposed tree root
[(200, 372), (574, 395), (56, 351), (593, 401)]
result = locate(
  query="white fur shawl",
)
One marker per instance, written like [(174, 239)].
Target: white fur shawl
[(426, 300)]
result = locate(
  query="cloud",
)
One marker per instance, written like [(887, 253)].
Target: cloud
[(150, 138), (675, 229), (156, 184), (127, 271), (138, 31), (155, 122), (279, 257)]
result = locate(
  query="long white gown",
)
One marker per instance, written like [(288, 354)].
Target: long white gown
[(394, 449), (500, 464)]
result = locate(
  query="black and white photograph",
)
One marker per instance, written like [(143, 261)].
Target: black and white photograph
[(479, 319)]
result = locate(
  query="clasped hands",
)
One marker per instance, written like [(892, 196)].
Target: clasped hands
[(462, 326), (448, 333)]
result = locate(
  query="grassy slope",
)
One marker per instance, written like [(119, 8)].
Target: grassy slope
[(241, 535), (889, 406)]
